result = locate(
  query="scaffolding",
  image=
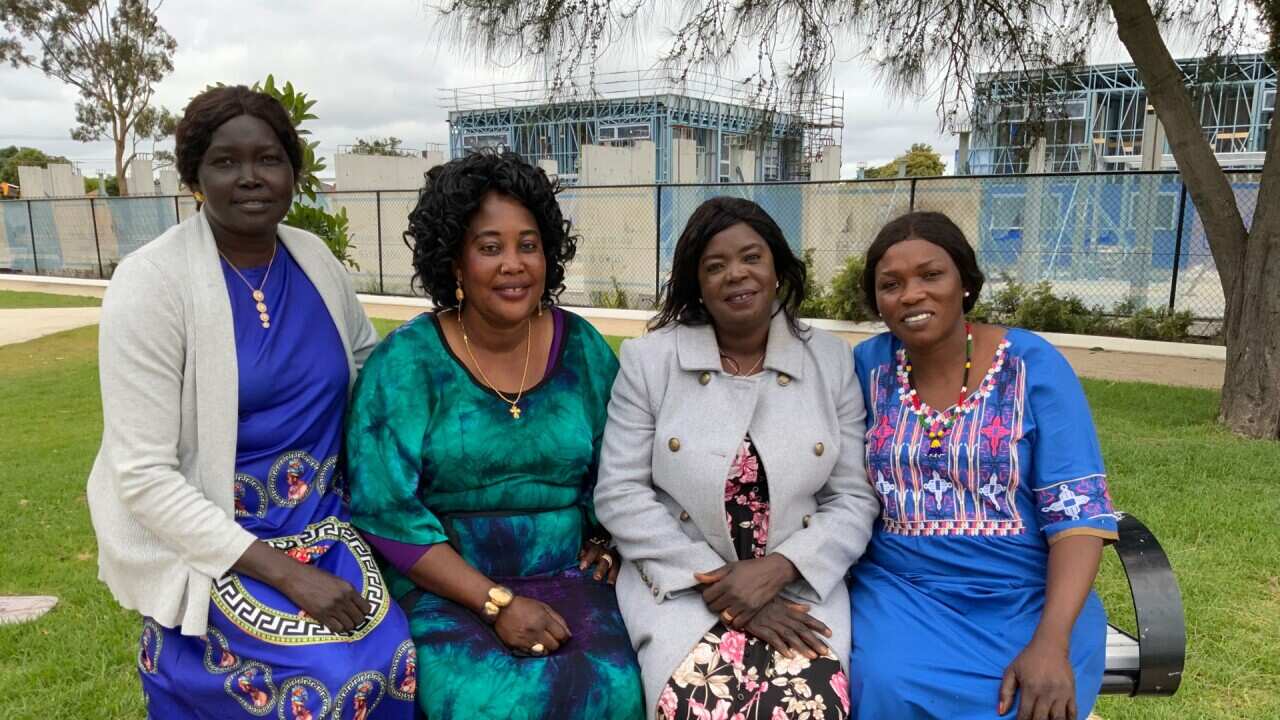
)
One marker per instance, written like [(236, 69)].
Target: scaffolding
[(626, 108), (1095, 118)]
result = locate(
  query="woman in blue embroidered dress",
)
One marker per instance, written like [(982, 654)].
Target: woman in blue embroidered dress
[(259, 324), (974, 598)]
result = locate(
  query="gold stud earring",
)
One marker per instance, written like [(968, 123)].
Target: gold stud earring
[(458, 294), (199, 196)]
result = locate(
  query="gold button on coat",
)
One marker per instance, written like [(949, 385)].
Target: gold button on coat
[(674, 444), (807, 519), (704, 378), (784, 379), (818, 449)]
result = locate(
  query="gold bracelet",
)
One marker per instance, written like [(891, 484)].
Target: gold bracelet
[(499, 597)]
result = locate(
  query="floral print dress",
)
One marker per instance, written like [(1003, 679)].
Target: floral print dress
[(731, 675)]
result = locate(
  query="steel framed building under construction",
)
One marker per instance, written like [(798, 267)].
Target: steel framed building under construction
[(699, 129), (1098, 119)]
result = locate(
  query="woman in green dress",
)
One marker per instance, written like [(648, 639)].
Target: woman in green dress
[(472, 446)]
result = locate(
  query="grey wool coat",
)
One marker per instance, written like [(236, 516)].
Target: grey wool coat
[(160, 491), (676, 421)]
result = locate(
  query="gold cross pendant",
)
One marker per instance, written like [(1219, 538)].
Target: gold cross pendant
[(515, 412)]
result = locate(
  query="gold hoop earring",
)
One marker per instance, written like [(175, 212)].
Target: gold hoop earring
[(539, 309), (458, 294), (199, 196)]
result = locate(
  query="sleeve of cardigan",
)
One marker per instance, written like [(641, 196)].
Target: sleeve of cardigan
[(141, 353), (626, 499)]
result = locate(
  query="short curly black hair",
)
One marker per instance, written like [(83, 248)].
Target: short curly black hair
[(451, 197), (933, 227), (210, 109)]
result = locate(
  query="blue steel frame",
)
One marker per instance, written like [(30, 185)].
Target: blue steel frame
[(1100, 112), (559, 130)]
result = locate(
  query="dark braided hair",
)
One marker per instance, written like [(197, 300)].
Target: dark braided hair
[(452, 196)]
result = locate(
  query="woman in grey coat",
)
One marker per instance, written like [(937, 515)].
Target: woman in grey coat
[(731, 478)]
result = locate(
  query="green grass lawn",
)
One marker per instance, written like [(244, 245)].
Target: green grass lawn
[(1211, 499), (14, 299)]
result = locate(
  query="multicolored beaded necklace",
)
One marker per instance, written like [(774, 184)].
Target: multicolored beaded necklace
[(938, 423)]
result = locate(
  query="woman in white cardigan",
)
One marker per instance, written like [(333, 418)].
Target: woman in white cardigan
[(732, 480), (227, 348)]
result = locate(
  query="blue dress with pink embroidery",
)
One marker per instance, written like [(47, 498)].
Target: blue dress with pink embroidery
[(952, 585), (261, 656)]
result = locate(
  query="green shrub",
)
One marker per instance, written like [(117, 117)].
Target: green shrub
[(332, 228), (614, 298), (814, 302), (844, 300)]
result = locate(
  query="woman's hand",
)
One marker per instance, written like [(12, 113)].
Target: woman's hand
[(324, 597), (789, 629), (737, 591), (527, 622), (604, 559), (1043, 674)]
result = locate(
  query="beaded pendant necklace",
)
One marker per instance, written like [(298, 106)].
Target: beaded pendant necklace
[(938, 423)]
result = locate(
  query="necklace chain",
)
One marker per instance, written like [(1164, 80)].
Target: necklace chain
[(528, 350), (259, 297), (737, 369)]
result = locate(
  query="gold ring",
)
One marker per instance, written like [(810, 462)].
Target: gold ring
[(538, 649), (607, 558), (726, 617)]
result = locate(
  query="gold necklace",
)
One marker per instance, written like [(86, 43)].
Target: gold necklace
[(528, 343), (737, 369), (259, 297)]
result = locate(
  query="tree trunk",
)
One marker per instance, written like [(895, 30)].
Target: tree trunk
[(1251, 397), (1248, 267), (121, 184)]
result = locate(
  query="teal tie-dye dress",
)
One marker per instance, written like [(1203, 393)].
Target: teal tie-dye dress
[(434, 456)]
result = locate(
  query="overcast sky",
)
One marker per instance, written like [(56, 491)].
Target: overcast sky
[(376, 68)]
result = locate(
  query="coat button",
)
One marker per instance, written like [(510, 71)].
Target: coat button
[(704, 378), (674, 444), (818, 449), (684, 515), (807, 519), (784, 379), (656, 593)]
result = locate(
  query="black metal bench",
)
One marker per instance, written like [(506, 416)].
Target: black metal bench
[(1151, 663)]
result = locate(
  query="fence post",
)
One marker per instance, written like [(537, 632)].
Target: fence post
[(1177, 243), (97, 245), (911, 201), (657, 242), (377, 199), (31, 227)]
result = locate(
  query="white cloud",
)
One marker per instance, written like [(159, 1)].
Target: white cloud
[(377, 67)]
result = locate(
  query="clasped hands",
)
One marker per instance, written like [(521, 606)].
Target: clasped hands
[(745, 596)]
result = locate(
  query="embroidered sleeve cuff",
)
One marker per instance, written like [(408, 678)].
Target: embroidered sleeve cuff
[(1108, 536)]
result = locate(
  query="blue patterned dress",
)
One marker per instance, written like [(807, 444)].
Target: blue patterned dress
[(952, 585), (261, 657)]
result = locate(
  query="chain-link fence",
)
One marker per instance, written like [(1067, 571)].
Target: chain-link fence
[(1116, 240)]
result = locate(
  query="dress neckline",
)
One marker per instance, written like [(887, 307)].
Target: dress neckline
[(550, 371)]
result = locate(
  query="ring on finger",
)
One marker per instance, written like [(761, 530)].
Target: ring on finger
[(538, 648), (726, 616), (607, 558)]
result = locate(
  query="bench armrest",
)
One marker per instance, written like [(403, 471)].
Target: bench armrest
[(1157, 607)]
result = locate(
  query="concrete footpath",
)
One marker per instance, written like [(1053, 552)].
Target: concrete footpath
[(1105, 358), (28, 324)]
